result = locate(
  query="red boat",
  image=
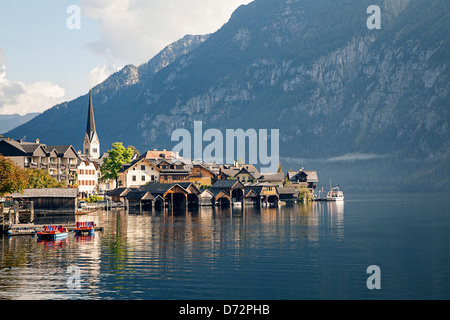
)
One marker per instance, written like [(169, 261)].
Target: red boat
[(53, 233), (85, 227)]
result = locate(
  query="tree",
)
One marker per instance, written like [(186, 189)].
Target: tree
[(135, 150), (117, 156), (40, 179), (12, 177)]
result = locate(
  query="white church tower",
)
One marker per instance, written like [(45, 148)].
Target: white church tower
[(91, 145)]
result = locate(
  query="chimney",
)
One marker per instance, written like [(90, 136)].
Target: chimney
[(37, 141)]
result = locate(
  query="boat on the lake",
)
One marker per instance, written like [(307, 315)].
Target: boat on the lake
[(85, 228), (335, 194), (53, 232)]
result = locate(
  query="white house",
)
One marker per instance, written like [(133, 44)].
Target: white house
[(88, 175), (139, 173)]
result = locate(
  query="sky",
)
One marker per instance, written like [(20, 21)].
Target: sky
[(53, 51)]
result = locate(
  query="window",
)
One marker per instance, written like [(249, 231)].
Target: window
[(133, 178), (94, 150), (143, 178), (143, 167)]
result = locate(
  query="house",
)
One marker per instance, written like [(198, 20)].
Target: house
[(118, 195), (288, 194), (303, 178), (237, 170), (59, 161), (138, 173), (88, 176), (203, 174), (173, 171), (274, 178), (246, 175)]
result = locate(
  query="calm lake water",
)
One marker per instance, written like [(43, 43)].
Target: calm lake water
[(313, 251)]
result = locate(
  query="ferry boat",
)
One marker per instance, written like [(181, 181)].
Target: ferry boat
[(53, 233), (85, 227), (335, 194)]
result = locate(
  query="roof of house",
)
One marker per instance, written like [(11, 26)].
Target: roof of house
[(47, 193), (160, 188), (155, 154), (311, 175), (267, 177), (288, 190), (139, 195), (119, 192), (227, 184)]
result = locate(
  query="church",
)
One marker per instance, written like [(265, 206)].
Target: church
[(90, 158)]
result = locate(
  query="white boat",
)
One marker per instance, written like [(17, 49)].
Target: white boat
[(335, 194)]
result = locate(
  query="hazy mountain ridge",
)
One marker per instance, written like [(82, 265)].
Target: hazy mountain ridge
[(11, 121)]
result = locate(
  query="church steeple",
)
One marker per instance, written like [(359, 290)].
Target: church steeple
[(90, 129), (91, 145)]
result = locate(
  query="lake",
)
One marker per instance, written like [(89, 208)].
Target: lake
[(305, 251)]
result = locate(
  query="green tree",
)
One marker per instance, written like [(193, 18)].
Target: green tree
[(40, 179), (117, 156), (135, 150), (12, 177), (305, 195)]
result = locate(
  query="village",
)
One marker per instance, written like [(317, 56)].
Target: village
[(153, 179)]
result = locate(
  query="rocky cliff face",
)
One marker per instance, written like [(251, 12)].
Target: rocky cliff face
[(368, 107)]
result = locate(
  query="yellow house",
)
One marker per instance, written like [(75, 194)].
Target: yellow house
[(201, 176), (247, 176)]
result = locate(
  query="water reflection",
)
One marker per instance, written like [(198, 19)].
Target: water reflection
[(162, 254)]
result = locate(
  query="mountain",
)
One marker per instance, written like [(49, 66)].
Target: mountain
[(365, 107), (11, 121)]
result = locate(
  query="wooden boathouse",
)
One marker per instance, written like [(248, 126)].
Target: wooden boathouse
[(50, 202)]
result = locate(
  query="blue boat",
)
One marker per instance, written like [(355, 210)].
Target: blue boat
[(53, 233)]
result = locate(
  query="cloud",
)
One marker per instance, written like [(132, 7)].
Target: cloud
[(349, 157), (133, 31), (21, 98), (356, 157), (100, 74)]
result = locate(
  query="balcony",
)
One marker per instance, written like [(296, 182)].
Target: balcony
[(72, 166), (53, 165), (44, 165)]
